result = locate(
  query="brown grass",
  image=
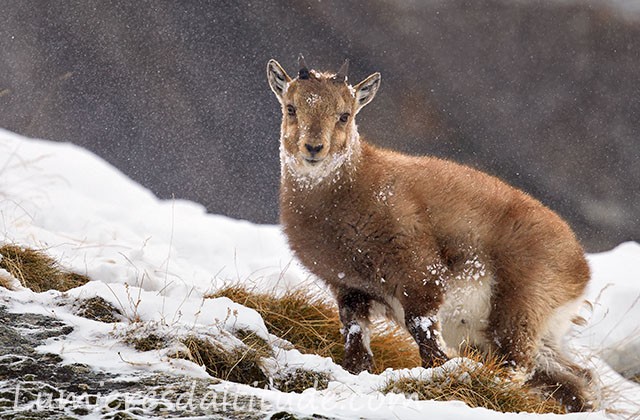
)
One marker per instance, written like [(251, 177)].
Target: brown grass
[(301, 379), (98, 309), (313, 326), (242, 365), (37, 271), (254, 342), (147, 342), (486, 385)]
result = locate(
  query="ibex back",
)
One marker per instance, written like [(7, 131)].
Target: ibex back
[(455, 255)]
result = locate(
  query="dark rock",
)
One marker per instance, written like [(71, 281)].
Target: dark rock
[(36, 385)]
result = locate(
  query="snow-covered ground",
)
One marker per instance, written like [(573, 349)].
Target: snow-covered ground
[(155, 259)]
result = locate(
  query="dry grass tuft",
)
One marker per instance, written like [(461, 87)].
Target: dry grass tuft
[(301, 379), (37, 271), (313, 326), (254, 342), (242, 365), (147, 342), (98, 309), (485, 385)]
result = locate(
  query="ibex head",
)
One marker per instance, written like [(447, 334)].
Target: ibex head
[(318, 127)]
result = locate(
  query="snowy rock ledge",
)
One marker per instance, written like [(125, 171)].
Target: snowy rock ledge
[(154, 261)]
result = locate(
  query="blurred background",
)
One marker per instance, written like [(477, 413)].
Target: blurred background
[(544, 94)]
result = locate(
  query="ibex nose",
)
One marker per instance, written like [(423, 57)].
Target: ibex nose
[(313, 150)]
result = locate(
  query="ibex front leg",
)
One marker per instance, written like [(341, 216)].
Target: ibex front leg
[(425, 329), (420, 310), (354, 307)]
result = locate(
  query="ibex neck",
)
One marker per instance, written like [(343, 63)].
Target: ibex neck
[(336, 168)]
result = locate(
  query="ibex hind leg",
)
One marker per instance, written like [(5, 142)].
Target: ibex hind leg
[(514, 326), (556, 376)]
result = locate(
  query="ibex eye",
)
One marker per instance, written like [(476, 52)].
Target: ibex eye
[(344, 117), (291, 110)]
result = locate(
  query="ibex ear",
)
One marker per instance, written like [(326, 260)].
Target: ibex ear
[(366, 90), (278, 78)]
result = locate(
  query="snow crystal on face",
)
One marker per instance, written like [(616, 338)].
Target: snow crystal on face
[(308, 176), (341, 275), (313, 99)]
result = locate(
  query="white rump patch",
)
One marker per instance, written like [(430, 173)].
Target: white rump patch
[(560, 321), (394, 309)]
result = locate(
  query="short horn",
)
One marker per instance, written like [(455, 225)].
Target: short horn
[(303, 73), (341, 76)]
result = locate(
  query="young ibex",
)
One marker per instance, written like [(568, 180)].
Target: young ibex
[(457, 256)]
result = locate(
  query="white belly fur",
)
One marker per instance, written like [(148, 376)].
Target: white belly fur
[(465, 311), (463, 315)]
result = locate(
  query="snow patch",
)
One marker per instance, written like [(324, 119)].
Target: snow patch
[(156, 260)]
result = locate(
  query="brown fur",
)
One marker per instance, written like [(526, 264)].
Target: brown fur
[(382, 227)]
